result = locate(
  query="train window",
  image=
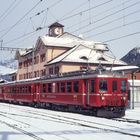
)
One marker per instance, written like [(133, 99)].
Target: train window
[(0, 90), (17, 89), (92, 85), (69, 87), (123, 86), (44, 88), (29, 89), (114, 86), (62, 87), (103, 85), (76, 86), (49, 87), (26, 89), (23, 89)]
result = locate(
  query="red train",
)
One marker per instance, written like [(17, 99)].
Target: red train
[(101, 93)]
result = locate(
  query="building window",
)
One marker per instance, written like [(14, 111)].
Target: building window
[(42, 57), (30, 62), (42, 72), (36, 60), (83, 68), (37, 73), (56, 70), (20, 65), (50, 70)]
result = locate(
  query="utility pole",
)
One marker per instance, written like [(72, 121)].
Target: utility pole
[(132, 91)]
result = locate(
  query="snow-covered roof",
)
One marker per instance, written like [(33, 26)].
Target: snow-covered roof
[(65, 40), (69, 35), (60, 42), (125, 68), (83, 54), (23, 52), (71, 42)]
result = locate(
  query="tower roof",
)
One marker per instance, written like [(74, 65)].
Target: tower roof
[(56, 24)]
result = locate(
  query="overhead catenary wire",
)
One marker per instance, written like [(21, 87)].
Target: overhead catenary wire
[(83, 11), (35, 15), (10, 11), (70, 16), (107, 16), (74, 9), (29, 33), (109, 22), (124, 36), (24, 35), (116, 27), (35, 30), (5, 12), (21, 19), (85, 20)]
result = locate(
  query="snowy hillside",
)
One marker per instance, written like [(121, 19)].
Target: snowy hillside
[(132, 57), (10, 63), (5, 70)]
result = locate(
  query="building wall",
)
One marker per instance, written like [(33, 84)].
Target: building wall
[(25, 71), (42, 55), (134, 92), (136, 75), (53, 52), (65, 67)]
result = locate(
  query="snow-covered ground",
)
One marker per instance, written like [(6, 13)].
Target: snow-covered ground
[(26, 123)]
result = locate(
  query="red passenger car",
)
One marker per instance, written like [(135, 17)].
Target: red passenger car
[(102, 93)]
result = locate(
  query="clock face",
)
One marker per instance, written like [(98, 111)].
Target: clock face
[(57, 31)]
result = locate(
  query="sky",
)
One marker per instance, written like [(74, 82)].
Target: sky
[(114, 22)]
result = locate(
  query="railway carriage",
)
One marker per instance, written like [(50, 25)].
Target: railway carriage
[(102, 93)]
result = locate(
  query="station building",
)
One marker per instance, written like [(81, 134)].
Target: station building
[(60, 52)]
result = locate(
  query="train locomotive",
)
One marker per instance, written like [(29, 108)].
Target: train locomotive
[(101, 93)]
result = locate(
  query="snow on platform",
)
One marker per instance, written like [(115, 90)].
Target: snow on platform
[(26, 123)]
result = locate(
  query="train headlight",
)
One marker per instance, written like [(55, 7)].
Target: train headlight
[(124, 98), (103, 98)]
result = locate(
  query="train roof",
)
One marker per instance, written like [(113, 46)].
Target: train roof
[(84, 74)]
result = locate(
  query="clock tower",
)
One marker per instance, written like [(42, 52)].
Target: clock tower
[(55, 29)]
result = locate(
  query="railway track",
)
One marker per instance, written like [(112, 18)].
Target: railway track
[(80, 122), (127, 120), (32, 135)]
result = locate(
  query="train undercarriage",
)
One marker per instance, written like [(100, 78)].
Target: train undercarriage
[(106, 112)]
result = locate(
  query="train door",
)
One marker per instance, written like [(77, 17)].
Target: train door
[(86, 85), (36, 92)]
